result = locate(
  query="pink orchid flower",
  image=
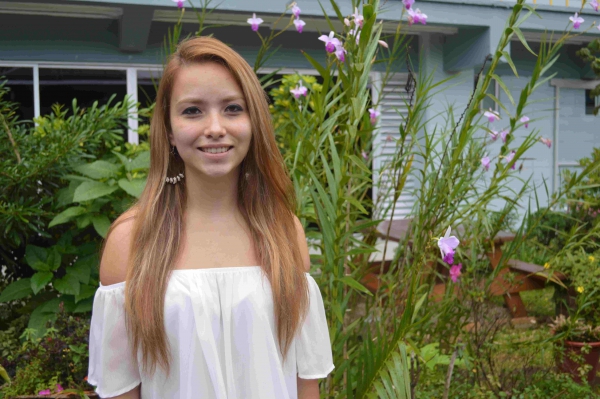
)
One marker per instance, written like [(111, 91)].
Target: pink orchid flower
[(485, 161), (491, 115), (525, 120), (455, 272), (296, 11), (414, 17), (449, 258), (595, 5), (503, 135), (299, 24), (447, 243), (44, 392), (546, 141), (179, 3), (331, 43), (254, 22), (347, 22), (577, 20), (365, 156), (358, 18), (510, 157), (352, 32), (59, 388), (494, 135), (299, 91), (408, 3), (340, 53), (373, 114)]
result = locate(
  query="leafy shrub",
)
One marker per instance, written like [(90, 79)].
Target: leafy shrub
[(59, 357)]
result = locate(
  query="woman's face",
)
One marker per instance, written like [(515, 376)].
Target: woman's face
[(209, 120)]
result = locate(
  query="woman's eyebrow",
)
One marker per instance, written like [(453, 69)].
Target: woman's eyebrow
[(196, 100)]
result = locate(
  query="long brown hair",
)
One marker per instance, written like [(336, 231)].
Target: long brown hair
[(265, 198)]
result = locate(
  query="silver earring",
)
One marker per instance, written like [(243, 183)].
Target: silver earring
[(175, 180), (173, 148)]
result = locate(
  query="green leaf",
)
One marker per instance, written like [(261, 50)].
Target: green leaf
[(133, 187), (357, 204), (54, 259), (4, 375), (501, 84), (16, 290), (98, 169), (66, 215), (522, 39), (142, 161), (82, 268), (101, 224), (36, 258), (65, 195), (40, 317), (68, 285), (39, 280), (355, 284), (86, 291), (84, 306), (90, 190), (510, 62)]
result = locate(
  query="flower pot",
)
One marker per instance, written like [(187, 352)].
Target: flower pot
[(567, 364)]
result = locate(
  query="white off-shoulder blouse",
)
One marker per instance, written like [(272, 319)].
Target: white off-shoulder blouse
[(221, 331)]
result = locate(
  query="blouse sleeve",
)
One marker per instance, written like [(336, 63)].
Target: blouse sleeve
[(313, 347), (112, 368)]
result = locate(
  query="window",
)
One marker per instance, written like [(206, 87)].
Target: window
[(20, 82), (487, 102), (591, 102)]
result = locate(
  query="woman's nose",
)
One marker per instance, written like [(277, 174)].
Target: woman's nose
[(214, 126)]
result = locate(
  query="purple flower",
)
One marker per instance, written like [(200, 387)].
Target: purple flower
[(491, 115), (577, 20), (510, 157), (356, 32), (45, 392), (546, 141), (525, 120), (331, 43), (373, 114), (455, 272), (255, 22), (494, 135), (179, 3), (447, 243), (340, 53), (485, 161), (346, 22), (503, 135), (296, 11), (365, 156), (449, 258), (595, 5), (414, 17), (299, 91), (358, 18), (299, 24), (59, 388), (408, 3)]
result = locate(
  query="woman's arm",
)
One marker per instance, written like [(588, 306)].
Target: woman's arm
[(307, 389)]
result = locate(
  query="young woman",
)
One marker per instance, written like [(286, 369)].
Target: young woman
[(204, 291)]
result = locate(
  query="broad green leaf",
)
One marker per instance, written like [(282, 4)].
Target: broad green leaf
[(124, 160), (16, 290), (101, 224), (355, 284), (40, 317), (65, 195), (68, 285), (90, 190), (133, 187), (36, 257), (4, 375), (39, 280), (54, 259), (84, 306), (66, 215), (142, 161), (76, 178), (86, 291), (82, 268), (98, 169)]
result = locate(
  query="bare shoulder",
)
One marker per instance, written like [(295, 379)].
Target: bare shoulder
[(302, 244), (115, 257)]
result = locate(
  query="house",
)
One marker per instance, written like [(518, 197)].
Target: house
[(55, 50)]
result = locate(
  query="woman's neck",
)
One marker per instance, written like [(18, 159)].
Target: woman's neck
[(212, 198)]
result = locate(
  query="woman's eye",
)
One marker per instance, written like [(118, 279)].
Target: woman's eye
[(233, 108), (191, 109)]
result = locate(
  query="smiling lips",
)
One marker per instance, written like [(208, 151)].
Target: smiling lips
[(215, 150)]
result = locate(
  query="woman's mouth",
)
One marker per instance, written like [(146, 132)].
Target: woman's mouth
[(215, 150)]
